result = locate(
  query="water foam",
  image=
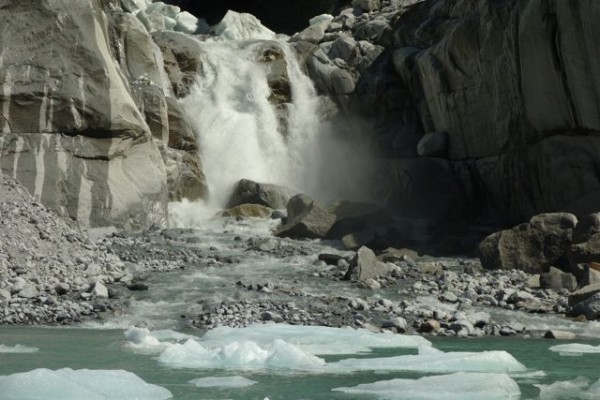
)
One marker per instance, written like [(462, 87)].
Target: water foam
[(239, 130), (17, 349)]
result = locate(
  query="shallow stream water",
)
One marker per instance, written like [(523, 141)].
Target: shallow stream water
[(294, 368)]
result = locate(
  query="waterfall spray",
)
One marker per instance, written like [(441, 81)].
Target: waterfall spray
[(239, 132)]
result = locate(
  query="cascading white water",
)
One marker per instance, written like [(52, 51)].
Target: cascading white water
[(238, 129)]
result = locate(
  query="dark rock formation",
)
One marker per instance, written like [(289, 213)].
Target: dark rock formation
[(511, 83)]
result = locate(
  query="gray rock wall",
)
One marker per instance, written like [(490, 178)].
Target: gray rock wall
[(84, 116), (513, 84)]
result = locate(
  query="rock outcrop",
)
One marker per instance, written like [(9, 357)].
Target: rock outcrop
[(509, 84), (85, 113)]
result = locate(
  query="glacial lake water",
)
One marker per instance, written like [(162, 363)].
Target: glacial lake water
[(104, 349)]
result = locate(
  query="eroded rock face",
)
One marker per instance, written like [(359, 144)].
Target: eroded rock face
[(85, 117)]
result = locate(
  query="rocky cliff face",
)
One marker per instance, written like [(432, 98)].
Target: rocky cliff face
[(87, 123), (482, 110)]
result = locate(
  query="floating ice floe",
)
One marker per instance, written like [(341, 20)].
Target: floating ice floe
[(68, 384), (223, 382), (459, 386), (18, 349), (576, 389), (240, 355), (316, 340), (429, 360), (575, 349)]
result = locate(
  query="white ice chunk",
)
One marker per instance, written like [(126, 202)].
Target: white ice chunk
[(68, 384), (575, 349), (574, 389), (460, 386), (18, 349), (188, 23), (135, 5), (140, 336), (165, 9), (223, 382), (486, 361), (242, 26), (316, 340), (324, 19), (239, 355)]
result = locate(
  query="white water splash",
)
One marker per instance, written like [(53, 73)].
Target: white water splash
[(239, 132)]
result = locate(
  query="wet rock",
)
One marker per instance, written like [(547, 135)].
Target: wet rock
[(365, 266), (583, 294), (268, 195), (560, 335), (532, 247), (397, 323), (248, 211), (98, 290), (556, 280), (330, 259), (589, 308), (138, 287), (429, 326), (306, 219)]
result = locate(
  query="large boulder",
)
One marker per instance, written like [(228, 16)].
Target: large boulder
[(583, 294), (306, 219), (365, 266), (532, 247), (269, 195), (588, 308)]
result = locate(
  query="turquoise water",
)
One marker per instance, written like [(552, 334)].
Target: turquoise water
[(103, 349)]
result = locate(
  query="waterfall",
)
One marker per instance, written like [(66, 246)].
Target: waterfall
[(240, 131)]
